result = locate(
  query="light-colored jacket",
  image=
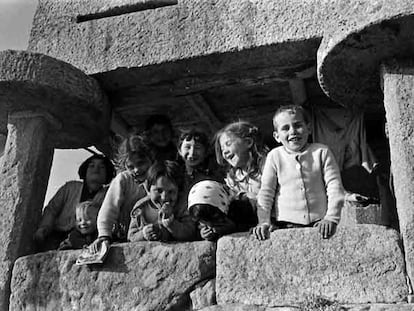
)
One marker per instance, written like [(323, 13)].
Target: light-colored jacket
[(116, 208), (301, 187)]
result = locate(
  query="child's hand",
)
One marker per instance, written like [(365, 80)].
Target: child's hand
[(40, 234), (96, 245), (326, 228), (151, 232), (166, 210), (207, 233), (262, 232)]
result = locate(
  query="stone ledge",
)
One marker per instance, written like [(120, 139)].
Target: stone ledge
[(365, 307), (136, 276), (357, 265)]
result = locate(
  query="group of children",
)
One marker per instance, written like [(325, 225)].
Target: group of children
[(165, 192)]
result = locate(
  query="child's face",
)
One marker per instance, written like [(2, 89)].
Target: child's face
[(138, 166), (164, 191), (216, 220), (292, 131), (96, 171), (160, 135), (235, 150), (192, 152), (86, 220)]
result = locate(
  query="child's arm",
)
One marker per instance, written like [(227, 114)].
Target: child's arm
[(110, 209), (334, 189), (136, 227)]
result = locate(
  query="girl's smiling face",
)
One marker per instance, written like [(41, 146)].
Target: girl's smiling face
[(192, 152), (164, 191), (235, 150)]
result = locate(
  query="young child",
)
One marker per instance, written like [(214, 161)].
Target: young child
[(159, 133), (237, 149), (85, 231), (159, 216), (208, 204), (194, 152), (58, 217), (300, 179), (126, 189)]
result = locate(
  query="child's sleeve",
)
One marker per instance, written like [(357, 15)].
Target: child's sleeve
[(266, 195), (180, 225), (135, 232), (334, 189), (110, 209), (54, 208)]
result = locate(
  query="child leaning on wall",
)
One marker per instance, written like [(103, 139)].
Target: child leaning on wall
[(134, 159), (208, 204), (238, 150), (301, 183), (161, 216), (85, 231)]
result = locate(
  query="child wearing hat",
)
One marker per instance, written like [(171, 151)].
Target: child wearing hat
[(208, 204)]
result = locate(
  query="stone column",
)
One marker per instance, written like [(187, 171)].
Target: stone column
[(398, 85), (25, 172)]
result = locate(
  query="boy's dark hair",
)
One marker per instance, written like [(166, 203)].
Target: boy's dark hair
[(158, 119), (198, 135), (168, 169), (205, 212), (109, 167), (293, 109)]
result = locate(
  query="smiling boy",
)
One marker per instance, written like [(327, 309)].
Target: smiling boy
[(301, 181)]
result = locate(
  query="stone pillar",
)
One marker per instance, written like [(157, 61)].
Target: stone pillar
[(398, 85), (24, 177)]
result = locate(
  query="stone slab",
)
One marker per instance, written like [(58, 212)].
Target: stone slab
[(365, 307), (354, 46), (36, 83), (204, 294), (354, 213), (136, 276), (398, 81), (357, 265)]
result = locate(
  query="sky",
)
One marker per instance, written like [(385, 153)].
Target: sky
[(15, 23)]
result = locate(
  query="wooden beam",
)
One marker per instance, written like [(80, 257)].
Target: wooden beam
[(307, 73), (298, 91), (114, 8), (204, 112)]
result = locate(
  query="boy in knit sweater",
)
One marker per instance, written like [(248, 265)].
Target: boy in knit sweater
[(301, 183)]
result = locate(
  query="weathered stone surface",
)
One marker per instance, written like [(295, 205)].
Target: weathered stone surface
[(354, 213), (38, 83), (354, 45), (357, 265), (204, 294), (242, 307), (136, 276), (365, 307), (25, 169), (398, 81)]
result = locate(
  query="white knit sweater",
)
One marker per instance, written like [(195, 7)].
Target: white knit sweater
[(301, 187)]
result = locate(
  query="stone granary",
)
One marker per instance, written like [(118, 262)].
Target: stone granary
[(101, 67)]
